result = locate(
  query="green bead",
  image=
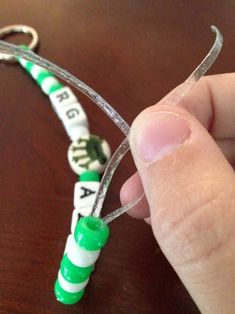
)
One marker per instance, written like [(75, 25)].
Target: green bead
[(55, 88), (91, 233), (67, 297), (72, 273), (28, 66), (90, 175), (44, 74), (25, 47)]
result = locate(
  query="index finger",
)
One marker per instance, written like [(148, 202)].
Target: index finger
[(212, 102)]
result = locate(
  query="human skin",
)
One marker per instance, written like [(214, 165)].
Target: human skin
[(184, 156)]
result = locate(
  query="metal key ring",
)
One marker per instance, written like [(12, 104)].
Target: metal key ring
[(18, 29)]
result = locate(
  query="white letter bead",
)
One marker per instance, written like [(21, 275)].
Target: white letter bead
[(72, 112), (74, 120), (78, 256), (71, 287), (62, 97), (85, 194), (47, 84)]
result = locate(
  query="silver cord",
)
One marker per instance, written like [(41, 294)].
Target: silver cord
[(173, 98), (108, 174)]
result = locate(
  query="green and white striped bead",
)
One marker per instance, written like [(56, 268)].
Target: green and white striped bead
[(44, 78), (71, 287), (50, 84), (83, 248), (78, 256), (67, 297), (36, 71), (73, 273)]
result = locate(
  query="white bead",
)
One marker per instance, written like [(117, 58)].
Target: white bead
[(71, 287), (89, 152), (75, 217), (74, 120), (36, 71), (85, 195), (47, 84), (23, 62), (62, 97), (78, 256)]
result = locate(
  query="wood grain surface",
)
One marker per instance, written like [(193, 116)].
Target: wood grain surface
[(132, 53)]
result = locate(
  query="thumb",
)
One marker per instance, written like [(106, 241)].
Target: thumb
[(190, 188)]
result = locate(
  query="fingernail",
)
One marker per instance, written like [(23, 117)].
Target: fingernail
[(157, 135)]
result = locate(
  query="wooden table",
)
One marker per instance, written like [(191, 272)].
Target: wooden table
[(132, 53)]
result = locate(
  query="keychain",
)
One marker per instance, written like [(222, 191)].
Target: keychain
[(88, 156)]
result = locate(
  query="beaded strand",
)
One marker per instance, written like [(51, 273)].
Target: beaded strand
[(88, 156)]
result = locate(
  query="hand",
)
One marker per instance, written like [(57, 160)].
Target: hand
[(184, 156)]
